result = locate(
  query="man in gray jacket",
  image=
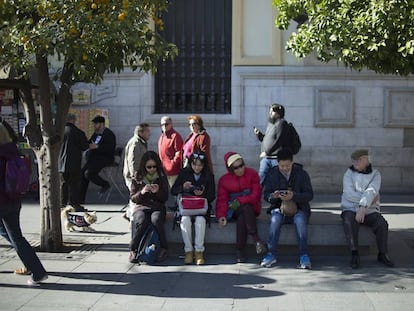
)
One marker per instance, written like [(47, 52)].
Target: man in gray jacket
[(134, 150), (360, 204)]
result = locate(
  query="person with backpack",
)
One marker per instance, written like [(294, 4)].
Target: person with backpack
[(195, 180), (10, 206), (275, 138), (149, 193)]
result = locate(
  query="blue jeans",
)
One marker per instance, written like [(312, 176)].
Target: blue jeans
[(10, 230), (265, 165), (301, 223)]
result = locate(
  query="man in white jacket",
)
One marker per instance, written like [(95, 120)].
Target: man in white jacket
[(361, 205)]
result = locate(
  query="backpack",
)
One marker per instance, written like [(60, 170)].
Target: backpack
[(17, 177), (293, 139), (149, 246)]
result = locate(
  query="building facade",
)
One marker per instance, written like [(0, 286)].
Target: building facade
[(335, 110)]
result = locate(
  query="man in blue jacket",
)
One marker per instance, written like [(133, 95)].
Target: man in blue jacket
[(288, 185)]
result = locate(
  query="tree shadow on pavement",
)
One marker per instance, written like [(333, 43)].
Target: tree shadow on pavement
[(165, 284)]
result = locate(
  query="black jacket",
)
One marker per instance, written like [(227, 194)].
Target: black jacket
[(299, 182), (206, 181), (74, 142), (106, 146), (7, 205)]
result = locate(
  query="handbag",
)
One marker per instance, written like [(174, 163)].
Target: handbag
[(289, 208), (191, 205)]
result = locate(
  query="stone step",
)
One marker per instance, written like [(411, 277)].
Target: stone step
[(324, 229)]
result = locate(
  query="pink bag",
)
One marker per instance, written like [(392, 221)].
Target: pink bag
[(192, 205)]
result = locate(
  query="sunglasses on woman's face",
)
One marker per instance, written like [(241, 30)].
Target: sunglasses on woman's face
[(150, 167), (192, 124), (198, 156)]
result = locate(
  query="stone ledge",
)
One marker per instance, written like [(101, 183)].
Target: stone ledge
[(324, 229)]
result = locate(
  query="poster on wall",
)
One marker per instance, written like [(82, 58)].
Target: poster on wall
[(81, 97), (8, 108)]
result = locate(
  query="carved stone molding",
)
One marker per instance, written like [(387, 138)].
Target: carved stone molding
[(334, 107), (399, 107)]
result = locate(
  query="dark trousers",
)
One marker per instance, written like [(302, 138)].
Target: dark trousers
[(140, 220), (375, 221), (90, 172), (11, 231), (246, 224), (70, 183)]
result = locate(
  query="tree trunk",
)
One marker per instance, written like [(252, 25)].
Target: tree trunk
[(45, 140), (49, 194)]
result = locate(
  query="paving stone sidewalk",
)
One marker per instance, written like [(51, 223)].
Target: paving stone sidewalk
[(97, 276)]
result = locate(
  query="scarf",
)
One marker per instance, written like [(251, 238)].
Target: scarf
[(149, 179)]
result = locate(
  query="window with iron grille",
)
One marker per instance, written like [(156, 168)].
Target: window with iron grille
[(199, 78)]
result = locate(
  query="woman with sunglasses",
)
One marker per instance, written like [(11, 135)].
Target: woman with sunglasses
[(197, 180), (197, 140), (239, 192), (149, 192)]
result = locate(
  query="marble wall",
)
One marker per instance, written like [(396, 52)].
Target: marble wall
[(335, 111)]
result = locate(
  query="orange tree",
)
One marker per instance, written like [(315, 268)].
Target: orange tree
[(373, 34), (87, 38)]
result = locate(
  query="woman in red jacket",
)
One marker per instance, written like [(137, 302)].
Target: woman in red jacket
[(197, 140), (239, 197)]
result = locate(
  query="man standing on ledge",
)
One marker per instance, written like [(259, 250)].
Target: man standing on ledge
[(361, 206), (100, 154)]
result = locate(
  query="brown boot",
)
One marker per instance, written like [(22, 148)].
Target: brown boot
[(199, 258), (188, 260)]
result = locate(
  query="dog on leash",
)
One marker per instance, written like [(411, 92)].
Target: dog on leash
[(71, 221)]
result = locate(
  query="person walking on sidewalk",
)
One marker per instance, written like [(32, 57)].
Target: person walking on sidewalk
[(10, 217), (195, 180), (360, 204), (288, 186), (239, 193), (70, 159)]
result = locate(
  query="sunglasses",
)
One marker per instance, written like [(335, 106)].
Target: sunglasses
[(150, 167), (164, 124), (198, 156), (192, 124), (238, 166)]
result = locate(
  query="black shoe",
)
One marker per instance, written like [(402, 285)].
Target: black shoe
[(355, 261), (241, 257), (261, 248), (382, 257), (104, 189)]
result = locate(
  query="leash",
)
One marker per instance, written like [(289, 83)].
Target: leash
[(108, 218), (101, 222)]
